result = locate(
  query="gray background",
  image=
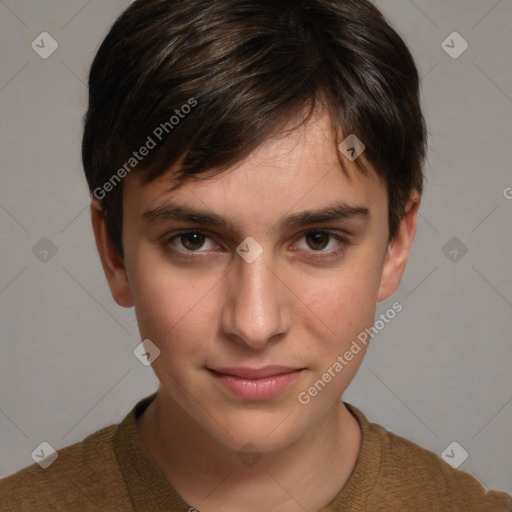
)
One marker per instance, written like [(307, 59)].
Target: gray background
[(439, 372)]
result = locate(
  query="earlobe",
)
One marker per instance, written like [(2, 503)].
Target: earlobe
[(398, 250), (112, 263)]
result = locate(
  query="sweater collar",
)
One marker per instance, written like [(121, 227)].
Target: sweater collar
[(147, 486), (150, 491)]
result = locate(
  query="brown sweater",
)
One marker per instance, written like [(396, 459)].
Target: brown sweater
[(110, 470)]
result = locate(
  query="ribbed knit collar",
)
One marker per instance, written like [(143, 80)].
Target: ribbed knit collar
[(150, 491)]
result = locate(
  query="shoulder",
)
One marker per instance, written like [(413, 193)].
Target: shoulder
[(85, 476), (421, 480)]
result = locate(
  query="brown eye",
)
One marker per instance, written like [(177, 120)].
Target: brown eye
[(190, 244), (320, 245), (192, 240), (317, 240)]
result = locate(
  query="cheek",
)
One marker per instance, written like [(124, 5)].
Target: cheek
[(342, 303), (345, 301), (173, 306)]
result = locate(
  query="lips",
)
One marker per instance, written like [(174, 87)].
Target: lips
[(254, 373), (256, 383)]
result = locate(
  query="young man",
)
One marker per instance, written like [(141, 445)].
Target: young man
[(256, 172)]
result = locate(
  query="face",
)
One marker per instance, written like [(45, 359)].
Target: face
[(252, 300)]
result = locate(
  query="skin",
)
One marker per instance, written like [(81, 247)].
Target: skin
[(285, 308)]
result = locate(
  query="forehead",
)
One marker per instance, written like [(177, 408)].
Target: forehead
[(296, 169)]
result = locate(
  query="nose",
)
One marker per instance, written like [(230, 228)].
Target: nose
[(256, 310)]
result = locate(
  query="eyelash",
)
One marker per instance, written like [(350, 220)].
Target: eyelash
[(190, 255)]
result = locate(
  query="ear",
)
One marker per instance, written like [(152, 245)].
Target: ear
[(112, 263), (398, 250)]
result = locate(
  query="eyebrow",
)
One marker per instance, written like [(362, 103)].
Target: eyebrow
[(338, 211)]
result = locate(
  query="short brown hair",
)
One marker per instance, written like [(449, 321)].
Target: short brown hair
[(250, 66)]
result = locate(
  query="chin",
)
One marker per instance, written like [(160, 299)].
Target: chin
[(266, 431)]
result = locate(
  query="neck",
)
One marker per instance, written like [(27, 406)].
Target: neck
[(209, 475)]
